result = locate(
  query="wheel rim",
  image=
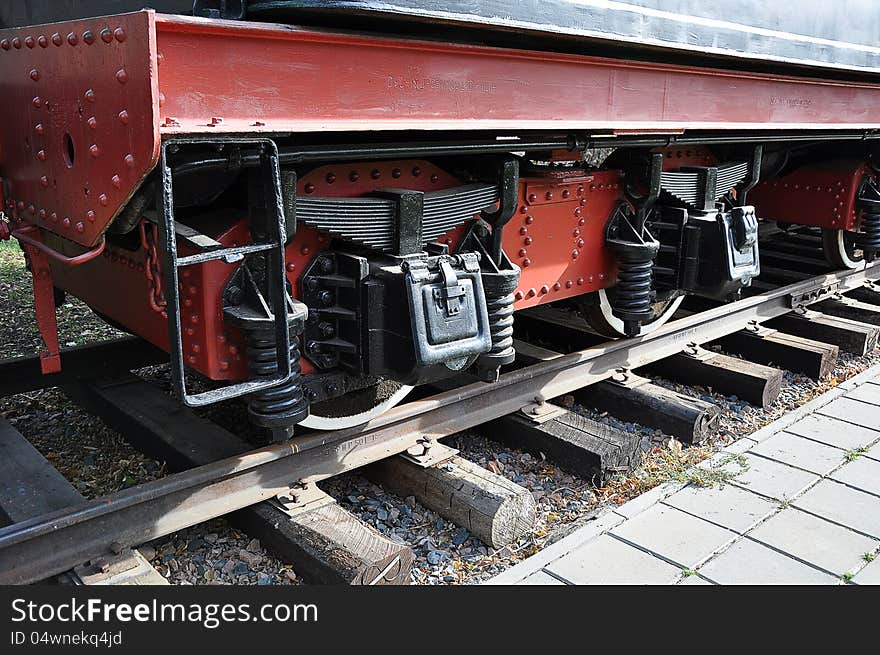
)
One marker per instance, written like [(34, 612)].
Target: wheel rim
[(318, 422), (840, 250), (602, 319)]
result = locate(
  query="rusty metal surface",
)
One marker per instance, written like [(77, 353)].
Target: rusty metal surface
[(232, 76), (78, 121), (33, 549)]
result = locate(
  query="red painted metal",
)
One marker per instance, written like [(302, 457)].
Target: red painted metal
[(78, 121), (557, 237), (30, 235), (44, 307), (231, 76), (821, 194)]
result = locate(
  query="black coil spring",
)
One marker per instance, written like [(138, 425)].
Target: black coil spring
[(284, 400), (868, 238), (501, 323), (633, 299)]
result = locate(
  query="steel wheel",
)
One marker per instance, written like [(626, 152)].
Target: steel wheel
[(603, 321), (840, 250)]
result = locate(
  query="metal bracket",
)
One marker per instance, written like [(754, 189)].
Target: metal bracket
[(302, 497), (756, 328), (429, 452), (694, 351), (814, 295), (625, 378), (113, 569), (541, 412)]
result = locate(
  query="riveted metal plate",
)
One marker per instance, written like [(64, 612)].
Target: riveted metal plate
[(79, 120)]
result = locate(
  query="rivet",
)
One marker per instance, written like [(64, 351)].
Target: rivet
[(224, 365), (582, 221), (545, 289), (92, 122), (53, 217), (186, 274), (4, 44), (518, 295), (523, 230), (549, 195), (532, 293), (56, 39), (580, 281), (196, 348), (32, 209), (583, 201), (194, 319), (121, 76), (576, 232), (41, 155), (601, 276), (29, 42), (103, 199), (435, 178), (304, 250), (192, 290), (580, 189), (19, 205), (37, 102), (530, 220), (589, 279), (91, 216), (532, 197), (330, 177), (578, 211), (523, 252), (310, 188), (191, 359), (89, 37), (354, 176), (44, 181), (66, 221), (233, 350), (291, 267), (42, 214), (575, 253), (375, 173), (38, 128), (189, 331), (90, 95), (16, 43), (566, 193), (123, 117), (215, 121), (396, 173), (557, 286), (119, 33), (416, 171), (116, 181), (526, 263), (94, 151), (106, 35), (569, 284), (580, 243), (129, 160), (72, 39), (80, 227), (527, 241), (523, 210)]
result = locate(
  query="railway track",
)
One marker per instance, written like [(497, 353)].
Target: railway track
[(274, 488)]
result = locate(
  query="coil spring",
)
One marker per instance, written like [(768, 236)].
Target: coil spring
[(279, 404), (868, 239), (500, 311), (633, 299)]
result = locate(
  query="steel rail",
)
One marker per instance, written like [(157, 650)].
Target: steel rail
[(35, 549)]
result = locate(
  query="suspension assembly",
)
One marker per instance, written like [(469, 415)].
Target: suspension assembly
[(868, 237)]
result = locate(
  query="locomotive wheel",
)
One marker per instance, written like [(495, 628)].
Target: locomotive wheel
[(840, 249), (356, 407), (603, 321)]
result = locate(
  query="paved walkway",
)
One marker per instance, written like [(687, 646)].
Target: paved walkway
[(804, 508)]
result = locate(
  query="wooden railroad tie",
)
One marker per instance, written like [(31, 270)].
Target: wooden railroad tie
[(755, 383), (850, 308), (327, 544), (848, 335), (812, 358)]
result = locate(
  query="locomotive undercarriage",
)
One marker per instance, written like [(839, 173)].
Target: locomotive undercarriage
[(396, 273)]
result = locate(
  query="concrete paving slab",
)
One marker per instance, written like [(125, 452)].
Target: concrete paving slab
[(675, 535), (800, 452), (853, 411), (834, 432), (862, 473), (870, 574), (867, 393), (728, 506), (748, 562), (541, 578), (835, 549), (692, 580), (606, 560), (844, 505), (773, 479)]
